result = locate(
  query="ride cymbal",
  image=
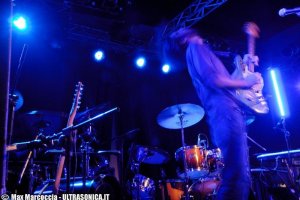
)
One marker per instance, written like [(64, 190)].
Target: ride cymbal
[(180, 116)]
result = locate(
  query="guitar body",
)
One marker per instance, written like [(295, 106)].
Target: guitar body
[(253, 97)]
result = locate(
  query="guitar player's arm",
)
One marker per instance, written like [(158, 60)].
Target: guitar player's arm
[(228, 82), (210, 72)]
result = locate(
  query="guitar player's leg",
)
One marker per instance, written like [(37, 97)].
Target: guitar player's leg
[(229, 134)]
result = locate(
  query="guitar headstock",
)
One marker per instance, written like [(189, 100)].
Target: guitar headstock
[(77, 96), (251, 29)]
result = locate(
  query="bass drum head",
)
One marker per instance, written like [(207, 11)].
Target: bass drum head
[(204, 189), (106, 184)]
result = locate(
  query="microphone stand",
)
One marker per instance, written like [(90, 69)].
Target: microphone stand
[(68, 131), (281, 126), (13, 102)]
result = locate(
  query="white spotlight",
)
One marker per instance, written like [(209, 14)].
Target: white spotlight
[(20, 23), (99, 55), (140, 62), (166, 68)]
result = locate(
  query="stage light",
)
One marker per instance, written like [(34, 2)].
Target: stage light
[(140, 62), (20, 23), (99, 55), (278, 89), (166, 68)]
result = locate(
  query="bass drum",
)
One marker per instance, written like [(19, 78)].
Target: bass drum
[(175, 189), (103, 184), (205, 189)]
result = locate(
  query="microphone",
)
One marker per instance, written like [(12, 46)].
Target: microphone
[(283, 11)]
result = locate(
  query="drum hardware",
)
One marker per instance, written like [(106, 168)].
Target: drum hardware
[(202, 142), (179, 117), (143, 187)]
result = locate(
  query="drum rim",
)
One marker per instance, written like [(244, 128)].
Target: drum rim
[(188, 147)]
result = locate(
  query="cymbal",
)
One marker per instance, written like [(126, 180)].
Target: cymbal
[(48, 121), (149, 155), (171, 117)]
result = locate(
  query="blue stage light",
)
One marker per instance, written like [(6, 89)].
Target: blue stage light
[(140, 62), (278, 89), (99, 55), (166, 68), (20, 23)]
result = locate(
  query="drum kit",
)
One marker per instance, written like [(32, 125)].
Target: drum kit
[(198, 168)]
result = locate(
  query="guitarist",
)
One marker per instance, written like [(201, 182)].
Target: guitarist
[(225, 116)]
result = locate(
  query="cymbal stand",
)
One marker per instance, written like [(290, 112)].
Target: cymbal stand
[(86, 154), (135, 167), (85, 166), (181, 117), (281, 126)]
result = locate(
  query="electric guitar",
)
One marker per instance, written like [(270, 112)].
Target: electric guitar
[(253, 97), (75, 107)]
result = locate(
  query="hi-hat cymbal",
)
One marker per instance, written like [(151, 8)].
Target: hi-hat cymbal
[(188, 114)]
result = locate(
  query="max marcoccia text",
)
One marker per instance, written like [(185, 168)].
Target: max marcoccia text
[(62, 197)]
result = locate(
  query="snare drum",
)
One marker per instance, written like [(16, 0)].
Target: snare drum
[(195, 160)]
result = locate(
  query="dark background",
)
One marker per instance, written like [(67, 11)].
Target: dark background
[(63, 35)]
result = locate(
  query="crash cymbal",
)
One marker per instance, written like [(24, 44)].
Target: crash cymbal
[(149, 155), (47, 121), (171, 117)]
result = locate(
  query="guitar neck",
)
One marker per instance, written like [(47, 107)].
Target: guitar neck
[(251, 51)]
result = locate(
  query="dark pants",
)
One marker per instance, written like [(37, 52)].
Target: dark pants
[(229, 134)]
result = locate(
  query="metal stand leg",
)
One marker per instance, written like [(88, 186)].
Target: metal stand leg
[(186, 178), (254, 142)]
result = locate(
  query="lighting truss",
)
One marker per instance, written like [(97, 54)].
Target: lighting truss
[(192, 14)]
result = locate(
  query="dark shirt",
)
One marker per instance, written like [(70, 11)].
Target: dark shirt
[(204, 68)]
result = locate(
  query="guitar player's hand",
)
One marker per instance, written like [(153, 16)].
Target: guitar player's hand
[(250, 59), (252, 79)]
